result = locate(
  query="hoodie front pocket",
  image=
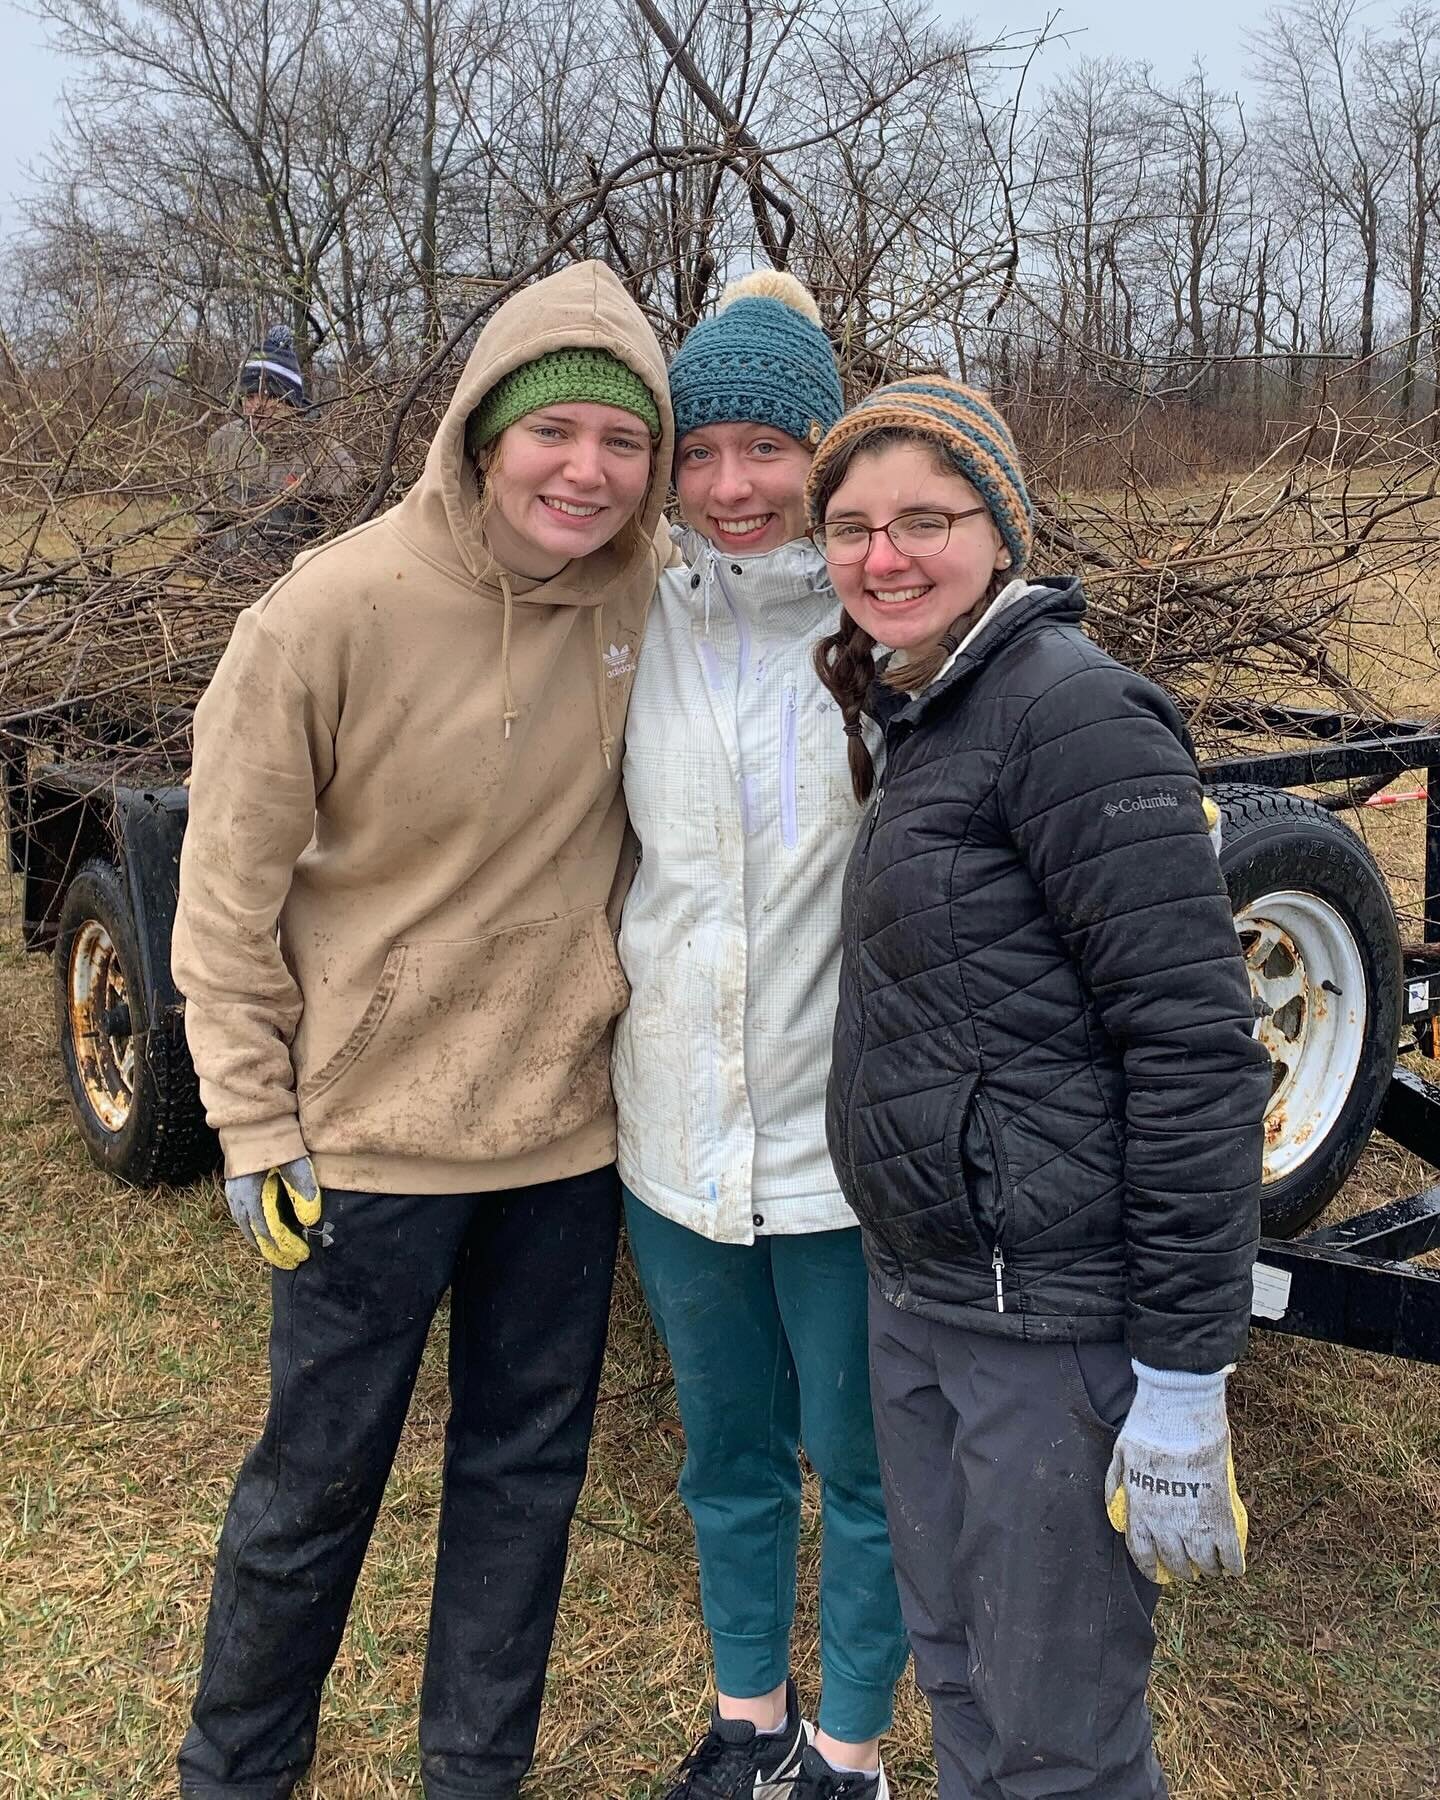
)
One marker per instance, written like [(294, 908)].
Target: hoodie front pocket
[(476, 1048)]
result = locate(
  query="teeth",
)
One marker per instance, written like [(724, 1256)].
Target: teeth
[(742, 527), (569, 506), (895, 596)]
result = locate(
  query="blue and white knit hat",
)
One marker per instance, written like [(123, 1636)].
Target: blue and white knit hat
[(763, 359), (274, 368)]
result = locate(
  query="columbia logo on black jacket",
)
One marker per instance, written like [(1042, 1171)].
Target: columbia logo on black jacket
[(1045, 1103)]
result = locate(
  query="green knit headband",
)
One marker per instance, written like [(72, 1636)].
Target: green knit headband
[(560, 375)]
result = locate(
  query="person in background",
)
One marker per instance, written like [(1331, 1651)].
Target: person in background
[(276, 475), (735, 777), (1045, 1108), (403, 860)]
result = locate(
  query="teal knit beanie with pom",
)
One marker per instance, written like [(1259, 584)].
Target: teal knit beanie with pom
[(764, 359)]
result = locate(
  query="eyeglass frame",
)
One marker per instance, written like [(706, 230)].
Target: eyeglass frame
[(952, 519)]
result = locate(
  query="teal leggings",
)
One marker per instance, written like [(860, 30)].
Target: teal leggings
[(768, 1343)]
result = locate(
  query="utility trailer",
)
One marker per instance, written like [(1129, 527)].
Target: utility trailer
[(1337, 996)]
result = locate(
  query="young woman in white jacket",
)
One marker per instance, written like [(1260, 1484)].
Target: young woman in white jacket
[(738, 788)]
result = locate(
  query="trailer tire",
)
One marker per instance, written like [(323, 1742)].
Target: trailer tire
[(1322, 948), (132, 1085)]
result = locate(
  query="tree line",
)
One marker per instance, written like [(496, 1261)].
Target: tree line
[(369, 169)]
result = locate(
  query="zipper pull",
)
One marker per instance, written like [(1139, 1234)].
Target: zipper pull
[(997, 1263)]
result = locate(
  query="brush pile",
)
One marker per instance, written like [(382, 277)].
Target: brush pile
[(1287, 583)]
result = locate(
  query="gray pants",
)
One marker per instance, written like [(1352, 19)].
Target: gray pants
[(1029, 1622)]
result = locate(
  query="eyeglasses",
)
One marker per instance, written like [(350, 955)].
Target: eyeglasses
[(916, 534)]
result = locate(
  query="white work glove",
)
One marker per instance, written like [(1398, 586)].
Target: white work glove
[(277, 1210), (1171, 1485)]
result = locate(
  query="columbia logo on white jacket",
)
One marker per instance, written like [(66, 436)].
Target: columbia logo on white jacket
[(738, 788)]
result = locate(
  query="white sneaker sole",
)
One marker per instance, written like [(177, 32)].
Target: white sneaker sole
[(780, 1787)]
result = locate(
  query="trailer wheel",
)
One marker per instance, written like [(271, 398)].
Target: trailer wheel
[(132, 1085), (1318, 931)]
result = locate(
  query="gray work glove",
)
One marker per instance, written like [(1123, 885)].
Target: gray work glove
[(278, 1210), (1171, 1486)]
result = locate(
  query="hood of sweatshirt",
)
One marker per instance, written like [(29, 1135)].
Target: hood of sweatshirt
[(583, 306)]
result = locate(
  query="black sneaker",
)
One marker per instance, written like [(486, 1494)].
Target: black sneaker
[(816, 1780), (733, 1761)]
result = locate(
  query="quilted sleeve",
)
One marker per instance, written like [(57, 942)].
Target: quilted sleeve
[(1102, 798)]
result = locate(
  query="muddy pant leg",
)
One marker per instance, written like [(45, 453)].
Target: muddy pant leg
[(915, 1430), (346, 1336), (1055, 1617), (1059, 1616), (528, 1313)]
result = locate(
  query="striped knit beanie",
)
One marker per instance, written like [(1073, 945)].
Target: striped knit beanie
[(963, 422), (578, 373), (274, 368), (764, 359)]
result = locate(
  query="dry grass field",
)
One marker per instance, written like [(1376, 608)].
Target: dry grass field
[(131, 1358)]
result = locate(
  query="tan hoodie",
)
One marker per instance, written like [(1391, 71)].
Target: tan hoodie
[(406, 825)]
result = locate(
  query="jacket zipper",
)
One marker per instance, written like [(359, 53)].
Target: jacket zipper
[(859, 883), (859, 984), (789, 730)]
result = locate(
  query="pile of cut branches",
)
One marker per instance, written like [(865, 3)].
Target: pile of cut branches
[(1287, 584)]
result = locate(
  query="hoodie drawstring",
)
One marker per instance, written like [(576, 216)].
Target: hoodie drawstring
[(607, 742), (510, 713)]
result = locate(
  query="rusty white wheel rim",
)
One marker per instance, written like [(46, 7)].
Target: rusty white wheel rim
[(100, 1025), (1308, 983)]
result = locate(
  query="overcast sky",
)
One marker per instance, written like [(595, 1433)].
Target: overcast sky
[(31, 77)]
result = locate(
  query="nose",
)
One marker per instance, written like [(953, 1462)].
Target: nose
[(732, 483), (882, 558), (584, 466)]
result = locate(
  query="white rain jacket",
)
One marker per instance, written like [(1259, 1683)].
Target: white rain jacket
[(739, 791)]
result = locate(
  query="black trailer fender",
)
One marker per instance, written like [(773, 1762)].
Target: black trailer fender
[(99, 860)]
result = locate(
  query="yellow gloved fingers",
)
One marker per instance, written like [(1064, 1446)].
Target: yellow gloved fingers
[(307, 1205), (283, 1248), (1213, 821), (1117, 1510), (1239, 1514)]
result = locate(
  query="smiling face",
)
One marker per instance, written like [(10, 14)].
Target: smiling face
[(562, 482), (906, 602), (743, 486)]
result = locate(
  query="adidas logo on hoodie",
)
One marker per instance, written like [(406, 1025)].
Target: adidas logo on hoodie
[(619, 661)]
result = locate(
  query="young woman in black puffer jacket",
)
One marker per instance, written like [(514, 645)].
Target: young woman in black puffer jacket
[(1045, 1109)]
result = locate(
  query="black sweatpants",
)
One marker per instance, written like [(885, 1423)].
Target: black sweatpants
[(529, 1272), (1029, 1623)]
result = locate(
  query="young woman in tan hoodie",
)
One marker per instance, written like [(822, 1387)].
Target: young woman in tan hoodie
[(395, 942)]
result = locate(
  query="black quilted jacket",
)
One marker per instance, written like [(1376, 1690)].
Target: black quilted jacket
[(1045, 1103)]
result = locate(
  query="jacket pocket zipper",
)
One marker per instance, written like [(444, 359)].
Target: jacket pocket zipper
[(789, 730), (1002, 1184)]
